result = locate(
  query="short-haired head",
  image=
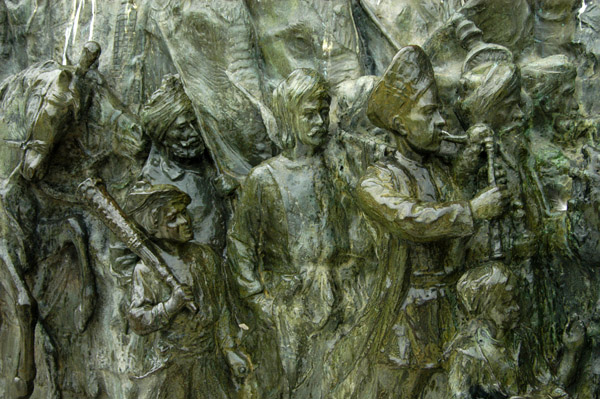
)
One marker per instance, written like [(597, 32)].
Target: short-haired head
[(300, 86)]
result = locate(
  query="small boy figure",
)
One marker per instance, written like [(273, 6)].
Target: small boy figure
[(490, 357), (194, 345)]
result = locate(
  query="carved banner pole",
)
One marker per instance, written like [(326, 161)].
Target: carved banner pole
[(101, 204)]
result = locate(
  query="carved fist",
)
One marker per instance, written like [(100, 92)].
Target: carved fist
[(489, 203), (478, 134), (180, 296), (238, 363), (500, 174), (33, 165)]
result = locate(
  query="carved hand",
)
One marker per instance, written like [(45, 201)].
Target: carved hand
[(238, 362), (489, 203), (179, 298), (477, 134), (32, 165)]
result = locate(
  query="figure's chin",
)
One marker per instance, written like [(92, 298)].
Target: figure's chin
[(187, 155)]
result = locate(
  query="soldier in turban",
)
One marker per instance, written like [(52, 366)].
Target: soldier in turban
[(178, 157)]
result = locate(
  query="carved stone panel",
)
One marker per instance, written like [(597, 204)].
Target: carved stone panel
[(362, 199)]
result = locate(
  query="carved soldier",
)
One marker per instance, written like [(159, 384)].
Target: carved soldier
[(178, 157), (212, 45), (194, 347), (283, 244), (489, 108), (489, 357), (554, 143), (411, 195)]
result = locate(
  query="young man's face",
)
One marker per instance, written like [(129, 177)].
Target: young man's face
[(182, 139), (312, 121), (174, 223), (423, 124)]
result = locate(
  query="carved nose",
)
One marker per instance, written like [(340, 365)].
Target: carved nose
[(439, 121)]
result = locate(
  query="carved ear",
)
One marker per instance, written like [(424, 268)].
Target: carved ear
[(155, 216), (398, 126), (64, 79)]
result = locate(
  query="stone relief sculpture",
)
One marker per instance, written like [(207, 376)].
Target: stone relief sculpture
[(411, 195), (178, 156), (299, 199), (192, 365), (286, 277), (38, 107), (485, 359)]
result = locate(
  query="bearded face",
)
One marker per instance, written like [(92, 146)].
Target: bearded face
[(182, 139)]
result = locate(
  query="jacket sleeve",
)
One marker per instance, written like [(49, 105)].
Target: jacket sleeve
[(244, 238), (386, 199), (146, 313)]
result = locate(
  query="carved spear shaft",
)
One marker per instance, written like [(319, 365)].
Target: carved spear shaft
[(103, 205)]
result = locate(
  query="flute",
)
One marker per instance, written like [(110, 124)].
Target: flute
[(495, 237), (453, 138)]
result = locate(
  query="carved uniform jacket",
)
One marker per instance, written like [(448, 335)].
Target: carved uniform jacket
[(414, 202), (186, 345), (283, 237)]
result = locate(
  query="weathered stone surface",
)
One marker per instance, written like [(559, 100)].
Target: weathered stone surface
[(299, 199)]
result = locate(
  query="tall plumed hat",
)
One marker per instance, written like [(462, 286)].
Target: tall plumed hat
[(489, 73), (163, 108), (409, 75)]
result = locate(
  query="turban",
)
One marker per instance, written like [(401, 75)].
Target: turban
[(485, 86), (489, 75), (163, 108), (545, 76)]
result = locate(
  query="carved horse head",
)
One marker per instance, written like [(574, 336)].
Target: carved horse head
[(38, 105)]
